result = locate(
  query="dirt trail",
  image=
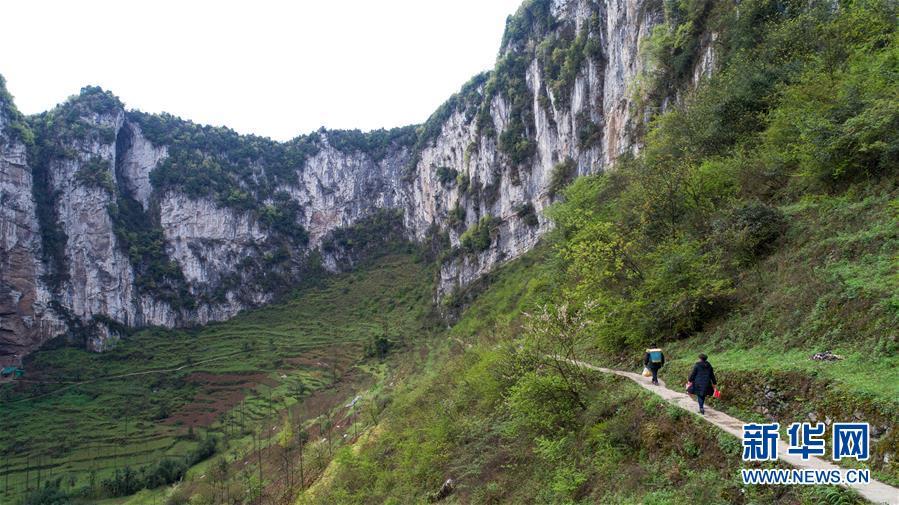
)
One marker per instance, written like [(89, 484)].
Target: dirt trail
[(874, 491)]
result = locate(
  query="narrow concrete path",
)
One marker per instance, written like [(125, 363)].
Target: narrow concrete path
[(874, 491)]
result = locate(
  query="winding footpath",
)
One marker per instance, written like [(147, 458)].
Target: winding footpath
[(874, 491)]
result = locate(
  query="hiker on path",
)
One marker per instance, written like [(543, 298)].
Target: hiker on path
[(702, 381), (653, 360)]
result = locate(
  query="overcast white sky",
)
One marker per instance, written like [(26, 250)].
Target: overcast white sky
[(274, 68)]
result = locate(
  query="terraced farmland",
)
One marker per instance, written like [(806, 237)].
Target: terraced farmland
[(78, 417)]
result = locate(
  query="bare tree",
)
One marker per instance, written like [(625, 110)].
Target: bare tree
[(302, 438), (558, 335), (326, 425), (286, 442), (220, 477), (257, 443)]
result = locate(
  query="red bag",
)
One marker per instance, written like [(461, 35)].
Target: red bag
[(717, 394)]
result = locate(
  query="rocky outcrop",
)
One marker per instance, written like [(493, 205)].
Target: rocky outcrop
[(138, 158), (598, 103), (99, 277), (489, 160), (26, 318), (210, 243), (337, 189)]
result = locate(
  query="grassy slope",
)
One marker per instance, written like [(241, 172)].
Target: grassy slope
[(831, 285), (454, 420), (259, 356)]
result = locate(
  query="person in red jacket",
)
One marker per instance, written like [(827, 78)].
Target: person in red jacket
[(702, 381)]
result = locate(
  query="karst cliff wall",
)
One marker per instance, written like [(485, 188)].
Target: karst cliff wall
[(106, 224)]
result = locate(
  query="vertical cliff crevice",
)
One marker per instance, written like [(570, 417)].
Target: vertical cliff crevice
[(46, 198)]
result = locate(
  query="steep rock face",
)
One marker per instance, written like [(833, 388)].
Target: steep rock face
[(139, 158), (210, 243), (598, 103), (26, 318), (98, 280), (628, 22), (163, 222), (337, 188)]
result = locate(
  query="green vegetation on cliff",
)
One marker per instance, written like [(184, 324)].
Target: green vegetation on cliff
[(17, 126), (57, 134)]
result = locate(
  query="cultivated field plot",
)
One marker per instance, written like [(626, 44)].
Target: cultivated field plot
[(79, 417)]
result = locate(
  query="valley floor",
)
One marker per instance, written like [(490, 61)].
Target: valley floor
[(95, 425)]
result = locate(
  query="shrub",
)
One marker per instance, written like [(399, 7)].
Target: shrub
[(562, 56), (143, 241), (53, 236), (532, 19), (509, 80), (282, 216), (682, 288), (456, 216), (753, 229), (490, 191), (672, 47), (467, 100), (49, 495), (479, 237), (376, 143), (368, 238), (527, 213), (589, 133), (123, 482), (447, 176), (165, 472), (539, 404), (378, 346), (16, 126), (846, 127), (464, 183), (514, 143), (96, 173), (562, 175), (203, 451), (234, 170)]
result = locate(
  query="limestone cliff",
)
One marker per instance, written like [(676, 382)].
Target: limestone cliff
[(579, 122), (116, 219), (26, 318)]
